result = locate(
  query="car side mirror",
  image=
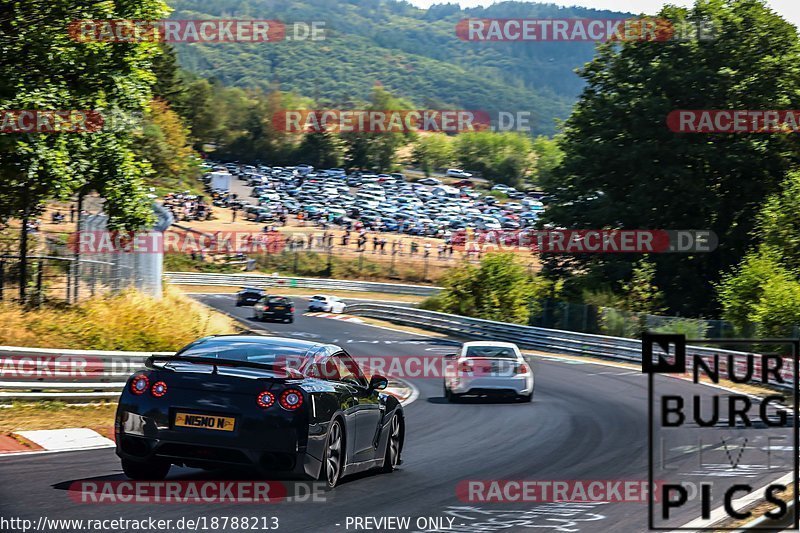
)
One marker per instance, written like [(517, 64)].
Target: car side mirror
[(378, 382)]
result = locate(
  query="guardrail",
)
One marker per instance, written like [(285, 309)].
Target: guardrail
[(48, 373), (531, 337), (255, 280), (32, 373)]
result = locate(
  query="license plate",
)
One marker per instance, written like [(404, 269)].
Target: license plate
[(279, 308), (218, 423)]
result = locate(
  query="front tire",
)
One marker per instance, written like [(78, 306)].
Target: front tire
[(333, 461), (394, 445), (152, 471)]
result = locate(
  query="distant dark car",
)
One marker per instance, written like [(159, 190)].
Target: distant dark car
[(266, 404), (249, 296), (274, 308)]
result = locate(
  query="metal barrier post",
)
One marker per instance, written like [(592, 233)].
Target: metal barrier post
[(39, 292), (69, 282)]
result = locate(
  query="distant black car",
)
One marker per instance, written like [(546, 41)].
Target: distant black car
[(274, 308), (249, 296), (269, 404)]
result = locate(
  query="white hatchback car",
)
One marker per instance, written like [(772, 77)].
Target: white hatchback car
[(327, 304), (487, 367)]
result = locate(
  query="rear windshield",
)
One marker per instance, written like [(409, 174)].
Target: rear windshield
[(253, 352), (277, 300), (501, 352)]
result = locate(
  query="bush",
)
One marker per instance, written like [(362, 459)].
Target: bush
[(500, 289), (760, 292)]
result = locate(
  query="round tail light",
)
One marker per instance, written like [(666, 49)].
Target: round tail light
[(140, 384), (265, 399), (159, 389), (291, 399)]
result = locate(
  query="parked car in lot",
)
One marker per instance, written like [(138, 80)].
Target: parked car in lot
[(265, 405), (326, 304), (430, 181), (273, 307), (457, 173), (485, 368), (249, 296)]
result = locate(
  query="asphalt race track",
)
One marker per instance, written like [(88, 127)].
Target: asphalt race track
[(587, 422)]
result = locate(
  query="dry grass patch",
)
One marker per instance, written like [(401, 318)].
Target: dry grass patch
[(25, 416), (127, 321)]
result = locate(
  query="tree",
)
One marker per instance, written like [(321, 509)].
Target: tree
[(319, 149), (432, 151), (500, 289), (505, 157), (743, 290), (641, 293), (778, 224), (548, 157), (376, 150), (164, 144), (43, 68), (623, 168)]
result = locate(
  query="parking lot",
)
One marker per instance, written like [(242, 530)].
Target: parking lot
[(362, 202)]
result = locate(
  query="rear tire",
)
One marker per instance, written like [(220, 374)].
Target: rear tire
[(526, 398), (451, 396), (152, 471), (290, 320), (333, 459)]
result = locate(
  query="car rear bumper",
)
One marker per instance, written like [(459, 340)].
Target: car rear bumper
[(521, 385), (270, 450)]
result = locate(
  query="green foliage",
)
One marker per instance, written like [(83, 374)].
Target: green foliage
[(501, 157), (622, 168), (742, 291), (164, 144), (779, 221), (376, 150), (433, 151), (320, 149), (690, 328), (641, 295), (411, 51), (44, 68), (500, 289), (777, 312), (548, 157)]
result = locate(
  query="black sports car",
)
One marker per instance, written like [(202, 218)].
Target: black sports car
[(274, 307), (249, 296), (274, 404)]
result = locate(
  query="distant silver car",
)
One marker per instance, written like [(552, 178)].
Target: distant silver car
[(488, 368), (327, 304)]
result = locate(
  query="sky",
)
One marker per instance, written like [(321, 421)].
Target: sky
[(789, 9)]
